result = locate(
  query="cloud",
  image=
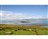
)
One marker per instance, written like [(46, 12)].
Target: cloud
[(9, 15)]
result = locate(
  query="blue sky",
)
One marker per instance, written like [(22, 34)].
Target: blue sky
[(25, 10), (35, 10)]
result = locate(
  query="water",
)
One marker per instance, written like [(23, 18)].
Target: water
[(27, 22), (45, 26), (41, 22)]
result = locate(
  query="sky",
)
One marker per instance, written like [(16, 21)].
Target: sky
[(11, 12)]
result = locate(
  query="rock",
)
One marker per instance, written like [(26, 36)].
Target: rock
[(8, 33), (0, 28), (30, 29)]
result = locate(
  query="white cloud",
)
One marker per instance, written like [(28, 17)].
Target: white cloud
[(8, 15), (0, 14)]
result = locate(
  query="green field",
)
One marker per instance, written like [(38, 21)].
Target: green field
[(6, 29)]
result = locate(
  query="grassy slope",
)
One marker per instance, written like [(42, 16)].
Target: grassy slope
[(6, 29)]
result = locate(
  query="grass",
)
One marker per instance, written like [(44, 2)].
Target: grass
[(6, 29)]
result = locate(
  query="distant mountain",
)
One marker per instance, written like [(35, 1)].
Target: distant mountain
[(26, 21)]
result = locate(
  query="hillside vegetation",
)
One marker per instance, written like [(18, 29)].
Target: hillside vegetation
[(8, 29)]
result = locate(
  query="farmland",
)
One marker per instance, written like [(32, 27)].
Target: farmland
[(8, 29)]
